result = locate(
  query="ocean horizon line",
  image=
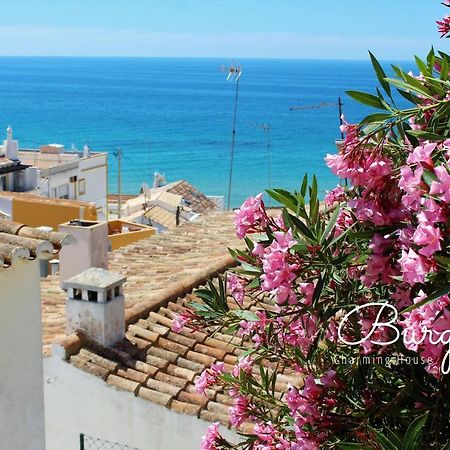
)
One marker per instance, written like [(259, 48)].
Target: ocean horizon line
[(232, 58)]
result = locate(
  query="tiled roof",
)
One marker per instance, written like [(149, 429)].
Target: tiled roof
[(17, 241), (153, 362), (158, 269), (197, 201), (161, 366), (39, 199), (158, 215)]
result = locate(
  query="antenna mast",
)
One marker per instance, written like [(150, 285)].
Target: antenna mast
[(234, 74), (266, 128)]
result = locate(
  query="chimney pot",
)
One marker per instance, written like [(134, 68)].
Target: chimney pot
[(96, 305)]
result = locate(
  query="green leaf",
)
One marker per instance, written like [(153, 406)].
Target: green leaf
[(411, 439), (444, 69), (313, 202), (381, 75), (384, 441), (301, 227), (330, 225), (431, 57), (366, 99), (393, 437), (351, 446), (304, 187), (410, 87), (284, 197), (429, 176), (425, 135), (423, 67), (245, 314), (376, 118), (430, 298)]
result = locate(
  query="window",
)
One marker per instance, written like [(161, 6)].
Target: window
[(82, 186), (63, 191)]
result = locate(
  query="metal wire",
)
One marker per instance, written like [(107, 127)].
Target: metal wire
[(92, 443)]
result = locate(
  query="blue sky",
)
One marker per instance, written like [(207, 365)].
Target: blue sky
[(343, 29)]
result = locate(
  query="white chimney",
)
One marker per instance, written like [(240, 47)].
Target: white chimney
[(86, 151), (91, 249), (95, 304), (11, 146)]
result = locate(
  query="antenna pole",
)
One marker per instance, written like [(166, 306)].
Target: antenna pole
[(340, 104), (119, 182), (233, 139), (267, 129)]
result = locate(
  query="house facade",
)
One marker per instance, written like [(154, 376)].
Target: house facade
[(53, 172)]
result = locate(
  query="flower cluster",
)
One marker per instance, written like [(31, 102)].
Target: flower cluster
[(380, 238)]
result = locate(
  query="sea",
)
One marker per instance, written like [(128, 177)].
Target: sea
[(175, 116)]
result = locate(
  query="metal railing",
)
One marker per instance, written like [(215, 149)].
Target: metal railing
[(92, 443)]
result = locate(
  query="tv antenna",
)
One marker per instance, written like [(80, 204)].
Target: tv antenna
[(266, 129), (339, 104), (234, 74)]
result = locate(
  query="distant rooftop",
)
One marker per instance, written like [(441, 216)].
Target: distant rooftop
[(45, 160), (157, 269)]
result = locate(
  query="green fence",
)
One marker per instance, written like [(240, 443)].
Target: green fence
[(92, 443)]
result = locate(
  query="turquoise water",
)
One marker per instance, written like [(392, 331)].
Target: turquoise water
[(174, 115)]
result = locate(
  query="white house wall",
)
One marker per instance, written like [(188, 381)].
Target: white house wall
[(77, 402), (21, 375), (92, 170)]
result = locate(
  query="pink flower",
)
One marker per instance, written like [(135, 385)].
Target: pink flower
[(414, 267), (244, 365), (210, 439), (426, 330), (180, 320), (251, 217), (444, 26), (278, 272), (236, 286), (429, 237), (307, 290), (209, 377), (422, 154), (336, 195), (442, 186), (240, 410)]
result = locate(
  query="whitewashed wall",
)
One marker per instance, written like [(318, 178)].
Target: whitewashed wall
[(21, 376), (77, 402)]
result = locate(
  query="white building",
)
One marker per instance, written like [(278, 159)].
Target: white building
[(22, 424), (53, 172)]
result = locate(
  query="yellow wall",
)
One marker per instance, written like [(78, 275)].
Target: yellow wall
[(36, 214), (122, 239)]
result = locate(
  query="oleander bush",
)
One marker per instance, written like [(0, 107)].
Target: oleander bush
[(360, 286)]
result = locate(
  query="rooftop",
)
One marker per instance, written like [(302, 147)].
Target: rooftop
[(197, 201), (159, 215), (153, 362), (18, 241), (161, 366), (44, 160), (25, 196), (94, 277), (158, 270)]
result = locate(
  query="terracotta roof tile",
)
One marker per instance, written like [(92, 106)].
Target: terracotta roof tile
[(155, 396), (17, 241), (159, 269), (197, 201), (123, 383), (185, 408), (152, 361)]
